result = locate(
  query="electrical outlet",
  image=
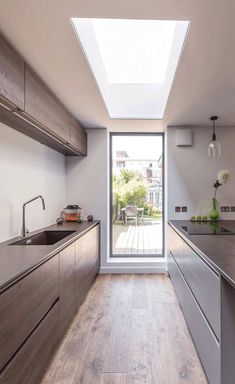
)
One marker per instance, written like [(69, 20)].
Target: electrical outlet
[(184, 209), (225, 209), (232, 208), (177, 209)]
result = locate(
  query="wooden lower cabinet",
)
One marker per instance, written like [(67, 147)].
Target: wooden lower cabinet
[(31, 361), (67, 286), (24, 304), (37, 310), (87, 262), (79, 265)]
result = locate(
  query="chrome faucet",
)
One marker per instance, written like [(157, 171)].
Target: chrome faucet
[(24, 231)]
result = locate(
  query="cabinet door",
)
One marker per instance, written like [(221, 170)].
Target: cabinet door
[(86, 263), (205, 285), (206, 344), (176, 246), (24, 304), (78, 136), (176, 279), (11, 74), (67, 286), (43, 106), (31, 361)]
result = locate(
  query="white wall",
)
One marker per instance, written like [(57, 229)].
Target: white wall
[(191, 173), (28, 168), (87, 182)]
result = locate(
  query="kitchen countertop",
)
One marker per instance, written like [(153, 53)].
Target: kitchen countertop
[(217, 250), (18, 260)]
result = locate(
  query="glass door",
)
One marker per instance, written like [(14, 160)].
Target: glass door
[(137, 195)]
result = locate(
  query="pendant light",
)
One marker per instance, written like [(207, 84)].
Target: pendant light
[(214, 147)]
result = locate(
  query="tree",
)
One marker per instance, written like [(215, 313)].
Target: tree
[(129, 189)]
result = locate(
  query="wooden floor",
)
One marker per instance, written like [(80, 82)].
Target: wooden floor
[(141, 239), (129, 330)]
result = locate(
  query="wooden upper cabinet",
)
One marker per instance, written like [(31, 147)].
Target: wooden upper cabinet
[(44, 107), (41, 115), (11, 74), (78, 136)]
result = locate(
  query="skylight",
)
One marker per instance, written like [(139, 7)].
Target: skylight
[(133, 61)]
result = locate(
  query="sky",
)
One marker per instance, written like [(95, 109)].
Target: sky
[(139, 146)]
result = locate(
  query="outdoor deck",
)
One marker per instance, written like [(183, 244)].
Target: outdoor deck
[(141, 239)]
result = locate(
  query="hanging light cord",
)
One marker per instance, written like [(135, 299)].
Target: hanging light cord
[(213, 118), (214, 135)]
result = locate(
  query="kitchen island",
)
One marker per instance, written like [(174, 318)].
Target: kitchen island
[(202, 270)]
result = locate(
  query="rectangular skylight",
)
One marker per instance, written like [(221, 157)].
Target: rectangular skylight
[(133, 61)]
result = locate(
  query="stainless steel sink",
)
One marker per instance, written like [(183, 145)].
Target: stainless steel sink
[(44, 238)]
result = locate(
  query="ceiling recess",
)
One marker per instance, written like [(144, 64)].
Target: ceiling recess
[(133, 61)]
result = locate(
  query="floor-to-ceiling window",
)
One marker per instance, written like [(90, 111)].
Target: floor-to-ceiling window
[(136, 194)]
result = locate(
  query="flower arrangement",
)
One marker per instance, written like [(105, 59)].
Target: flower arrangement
[(223, 176)]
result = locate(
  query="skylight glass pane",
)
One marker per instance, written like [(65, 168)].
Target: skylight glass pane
[(133, 61), (134, 51)]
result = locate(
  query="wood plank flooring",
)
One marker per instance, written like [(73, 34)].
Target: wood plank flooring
[(141, 239), (129, 330)]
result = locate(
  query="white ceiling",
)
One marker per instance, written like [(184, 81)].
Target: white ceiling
[(204, 84)]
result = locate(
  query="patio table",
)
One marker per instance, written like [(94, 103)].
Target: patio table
[(123, 212)]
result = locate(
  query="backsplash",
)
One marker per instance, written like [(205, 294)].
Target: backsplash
[(27, 169)]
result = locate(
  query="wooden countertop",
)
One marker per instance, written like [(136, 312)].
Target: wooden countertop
[(217, 250), (18, 260)]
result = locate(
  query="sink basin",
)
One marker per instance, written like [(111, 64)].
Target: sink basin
[(44, 238)]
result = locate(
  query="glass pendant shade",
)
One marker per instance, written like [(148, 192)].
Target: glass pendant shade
[(214, 147)]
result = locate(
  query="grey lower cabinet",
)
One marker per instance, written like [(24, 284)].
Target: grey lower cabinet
[(38, 308), (198, 290)]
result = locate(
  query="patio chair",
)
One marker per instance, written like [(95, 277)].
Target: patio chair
[(131, 213)]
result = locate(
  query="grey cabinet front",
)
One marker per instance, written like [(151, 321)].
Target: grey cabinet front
[(176, 278), (205, 285), (198, 290), (204, 339)]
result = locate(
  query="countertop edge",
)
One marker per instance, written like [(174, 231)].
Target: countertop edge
[(48, 256), (201, 254)]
